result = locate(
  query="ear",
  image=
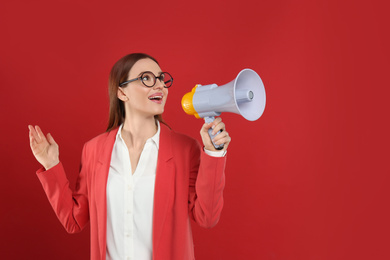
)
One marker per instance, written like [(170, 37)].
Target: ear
[(121, 94)]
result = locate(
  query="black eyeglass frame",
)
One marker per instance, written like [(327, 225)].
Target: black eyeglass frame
[(155, 79)]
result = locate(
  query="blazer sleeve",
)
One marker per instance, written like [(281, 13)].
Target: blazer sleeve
[(207, 181), (71, 207)]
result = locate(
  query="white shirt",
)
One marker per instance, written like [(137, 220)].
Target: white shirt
[(130, 200)]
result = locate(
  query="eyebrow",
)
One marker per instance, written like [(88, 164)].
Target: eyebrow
[(150, 72)]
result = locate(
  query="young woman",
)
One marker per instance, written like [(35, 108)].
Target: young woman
[(140, 182)]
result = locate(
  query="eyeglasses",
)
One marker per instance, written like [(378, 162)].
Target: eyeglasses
[(149, 79)]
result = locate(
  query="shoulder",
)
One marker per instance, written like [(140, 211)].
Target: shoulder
[(182, 138), (99, 147), (179, 141), (102, 140)]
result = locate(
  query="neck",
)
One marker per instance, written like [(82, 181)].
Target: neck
[(137, 130)]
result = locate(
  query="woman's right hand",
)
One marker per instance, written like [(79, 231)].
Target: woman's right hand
[(45, 149)]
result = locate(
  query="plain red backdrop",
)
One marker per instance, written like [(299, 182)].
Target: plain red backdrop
[(308, 180)]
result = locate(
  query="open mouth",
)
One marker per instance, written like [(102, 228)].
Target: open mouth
[(157, 98)]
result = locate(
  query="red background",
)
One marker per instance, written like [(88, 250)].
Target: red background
[(308, 180)]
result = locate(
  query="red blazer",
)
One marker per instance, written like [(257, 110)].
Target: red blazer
[(189, 185)]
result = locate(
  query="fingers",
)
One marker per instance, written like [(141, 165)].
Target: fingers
[(33, 137), (221, 138), (217, 125), (40, 133), (30, 133), (36, 134), (50, 139), (206, 127), (38, 141), (33, 134)]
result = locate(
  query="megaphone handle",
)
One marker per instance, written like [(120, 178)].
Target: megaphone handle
[(210, 119)]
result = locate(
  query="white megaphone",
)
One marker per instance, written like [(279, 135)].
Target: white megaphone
[(245, 95)]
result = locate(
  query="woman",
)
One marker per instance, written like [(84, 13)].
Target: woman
[(140, 182)]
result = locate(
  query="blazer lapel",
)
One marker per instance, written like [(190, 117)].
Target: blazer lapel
[(165, 178), (100, 187)]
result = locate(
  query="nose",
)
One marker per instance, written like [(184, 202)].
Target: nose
[(159, 84)]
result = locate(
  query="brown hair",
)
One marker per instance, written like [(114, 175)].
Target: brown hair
[(118, 74)]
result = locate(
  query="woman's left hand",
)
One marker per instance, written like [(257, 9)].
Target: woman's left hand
[(221, 138)]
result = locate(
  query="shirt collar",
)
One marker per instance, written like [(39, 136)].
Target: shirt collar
[(155, 138)]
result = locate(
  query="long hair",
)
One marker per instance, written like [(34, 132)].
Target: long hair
[(118, 74)]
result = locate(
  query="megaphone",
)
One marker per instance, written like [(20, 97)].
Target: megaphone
[(245, 95)]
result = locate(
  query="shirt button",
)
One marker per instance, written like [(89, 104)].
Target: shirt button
[(128, 235), (128, 187), (128, 212)]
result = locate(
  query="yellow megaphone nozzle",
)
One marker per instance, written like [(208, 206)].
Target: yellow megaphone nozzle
[(186, 103)]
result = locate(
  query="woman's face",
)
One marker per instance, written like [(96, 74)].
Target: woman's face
[(139, 99)]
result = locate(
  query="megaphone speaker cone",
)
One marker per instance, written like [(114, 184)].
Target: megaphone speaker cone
[(248, 81)]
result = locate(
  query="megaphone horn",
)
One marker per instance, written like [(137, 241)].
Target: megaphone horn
[(245, 95)]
